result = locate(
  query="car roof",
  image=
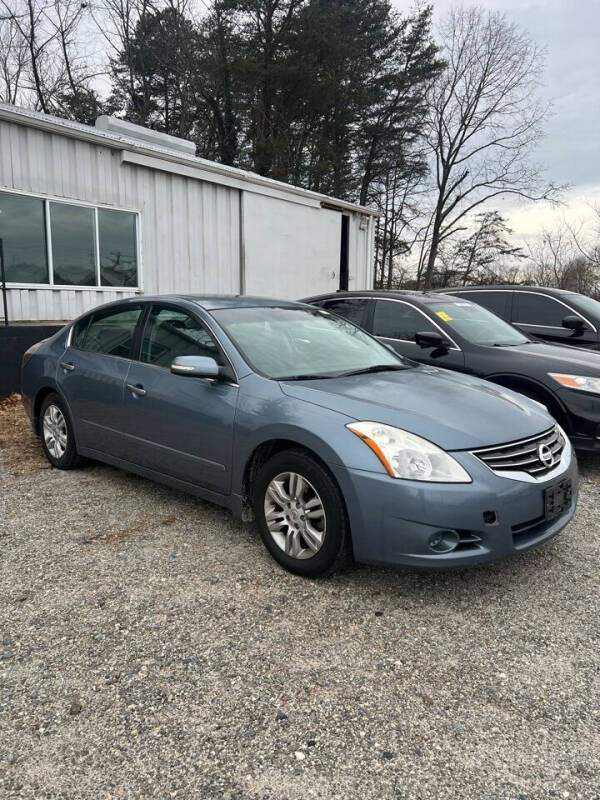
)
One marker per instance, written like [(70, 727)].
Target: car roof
[(505, 287), (212, 302), (399, 294)]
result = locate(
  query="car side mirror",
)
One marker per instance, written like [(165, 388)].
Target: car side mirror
[(573, 323), (427, 339), (195, 367)]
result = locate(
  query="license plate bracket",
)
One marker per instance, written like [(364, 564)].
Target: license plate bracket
[(558, 498)]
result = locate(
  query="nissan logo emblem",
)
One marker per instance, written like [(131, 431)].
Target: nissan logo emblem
[(546, 455)]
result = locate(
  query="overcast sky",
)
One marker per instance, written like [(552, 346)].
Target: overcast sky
[(570, 32)]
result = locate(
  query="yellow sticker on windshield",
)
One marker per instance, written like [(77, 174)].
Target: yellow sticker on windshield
[(444, 316)]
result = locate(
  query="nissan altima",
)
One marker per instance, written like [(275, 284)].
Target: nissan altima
[(288, 414)]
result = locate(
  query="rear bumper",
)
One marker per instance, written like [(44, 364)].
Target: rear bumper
[(392, 521)]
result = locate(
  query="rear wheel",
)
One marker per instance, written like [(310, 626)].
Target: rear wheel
[(56, 433), (301, 515)]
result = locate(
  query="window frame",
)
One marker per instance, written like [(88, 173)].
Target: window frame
[(97, 287)]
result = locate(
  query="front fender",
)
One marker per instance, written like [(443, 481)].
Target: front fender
[(321, 430)]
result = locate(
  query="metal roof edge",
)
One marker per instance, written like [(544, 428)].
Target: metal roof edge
[(64, 127)]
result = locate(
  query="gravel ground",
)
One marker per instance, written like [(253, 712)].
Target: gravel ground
[(151, 648)]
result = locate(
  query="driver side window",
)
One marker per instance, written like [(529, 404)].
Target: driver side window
[(393, 320), (169, 333)]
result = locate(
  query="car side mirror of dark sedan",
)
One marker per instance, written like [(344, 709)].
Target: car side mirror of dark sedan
[(195, 367), (428, 339), (573, 323)]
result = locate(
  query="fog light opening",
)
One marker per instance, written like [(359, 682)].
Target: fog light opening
[(443, 541)]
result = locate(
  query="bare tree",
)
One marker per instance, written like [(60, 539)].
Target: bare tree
[(13, 60), (588, 245), (398, 201), (486, 255), (40, 56), (484, 122), (565, 258)]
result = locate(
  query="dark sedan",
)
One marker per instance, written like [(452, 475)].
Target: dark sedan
[(455, 333)]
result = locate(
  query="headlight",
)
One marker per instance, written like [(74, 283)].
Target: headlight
[(405, 455), (577, 382)]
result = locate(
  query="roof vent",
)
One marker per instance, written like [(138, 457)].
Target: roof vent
[(121, 127)]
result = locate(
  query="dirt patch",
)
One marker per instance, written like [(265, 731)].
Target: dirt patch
[(137, 525), (20, 450)]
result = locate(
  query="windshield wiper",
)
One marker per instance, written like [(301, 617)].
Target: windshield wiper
[(309, 376), (376, 368)]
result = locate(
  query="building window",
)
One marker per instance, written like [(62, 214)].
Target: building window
[(23, 234), (73, 245), (118, 250), (65, 244)]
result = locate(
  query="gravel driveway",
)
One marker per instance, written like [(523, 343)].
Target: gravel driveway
[(151, 648)]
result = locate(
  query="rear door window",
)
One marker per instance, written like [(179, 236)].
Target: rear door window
[(109, 332), (351, 308), (498, 302), (396, 320)]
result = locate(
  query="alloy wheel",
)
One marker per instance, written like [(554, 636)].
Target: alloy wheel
[(295, 515), (54, 427)]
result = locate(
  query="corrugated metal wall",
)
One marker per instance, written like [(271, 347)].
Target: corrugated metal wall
[(189, 230)]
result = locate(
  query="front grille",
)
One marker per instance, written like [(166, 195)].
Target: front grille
[(526, 455)]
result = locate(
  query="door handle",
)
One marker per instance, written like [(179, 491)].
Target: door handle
[(136, 389), (67, 366)]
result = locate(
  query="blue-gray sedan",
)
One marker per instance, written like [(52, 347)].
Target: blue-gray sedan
[(337, 446)]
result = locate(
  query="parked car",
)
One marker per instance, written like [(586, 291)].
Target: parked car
[(553, 315), (452, 332), (335, 444)]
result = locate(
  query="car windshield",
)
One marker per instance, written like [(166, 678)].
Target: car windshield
[(476, 324), (287, 343)]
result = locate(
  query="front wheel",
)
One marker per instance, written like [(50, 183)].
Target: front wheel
[(56, 432), (301, 515)]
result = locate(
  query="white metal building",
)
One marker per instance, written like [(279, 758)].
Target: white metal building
[(89, 215)]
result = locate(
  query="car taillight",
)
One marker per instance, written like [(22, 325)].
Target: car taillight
[(29, 353)]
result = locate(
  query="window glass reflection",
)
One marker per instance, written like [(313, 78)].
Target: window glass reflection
[(118, 257), (23, 233), (73, 245)]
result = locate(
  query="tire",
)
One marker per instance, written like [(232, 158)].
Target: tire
[(290, 491), (56, 434)]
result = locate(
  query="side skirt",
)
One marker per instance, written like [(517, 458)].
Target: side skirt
[(232, 502)]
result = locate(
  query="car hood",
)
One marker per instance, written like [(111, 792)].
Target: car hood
[(454, 411), (563, 358)]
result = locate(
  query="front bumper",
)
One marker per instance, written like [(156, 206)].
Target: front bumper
[(583, 421), (392, 521)]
